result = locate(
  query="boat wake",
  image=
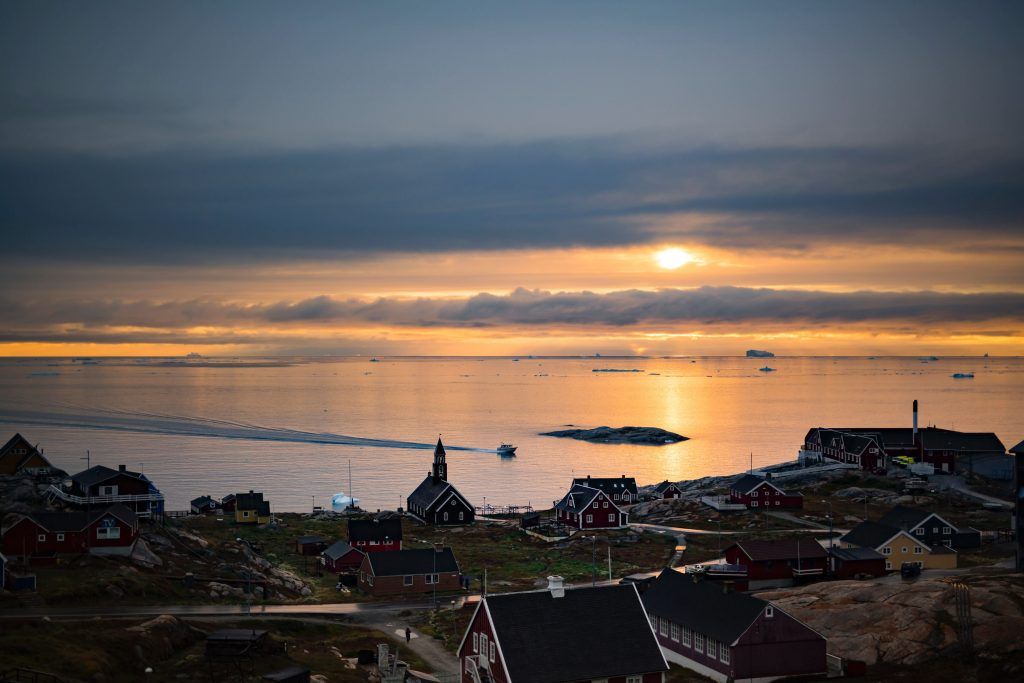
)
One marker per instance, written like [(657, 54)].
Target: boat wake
[(113, 419)]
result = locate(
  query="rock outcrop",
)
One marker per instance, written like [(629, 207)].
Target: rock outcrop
[(645, 436)]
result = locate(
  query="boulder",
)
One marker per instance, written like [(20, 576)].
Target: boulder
[(141, 554), (160, 637)]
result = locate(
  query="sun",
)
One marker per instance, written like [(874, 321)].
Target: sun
[(672, 258)]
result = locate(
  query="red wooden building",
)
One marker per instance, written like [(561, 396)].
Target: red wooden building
[(776, 563), (729, 636), (589, 508), (341, 557), (375, 535), (19, 456), (761, 493), (42, 536), (409, 571), (855, 563), (558, 634), (668, 490)]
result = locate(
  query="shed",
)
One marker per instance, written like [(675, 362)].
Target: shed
[(310, 545)]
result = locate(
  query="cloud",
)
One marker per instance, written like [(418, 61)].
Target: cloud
[(705, 308), (187, 207)]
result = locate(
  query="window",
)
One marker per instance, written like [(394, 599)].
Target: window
[(698, 642), (590, 518), (687, 637), (654, 621), (903, 550), (723, 653), (483, 644), (476, 641), (108, 490), (935, 529), (753, 503), (917, 550), (407, 580), (110, 533), (374, 542), (461, 516), (919, 531), (615, 496), (60, 537), (625, 497), (605, 504), (778, 503), (712, 648), (42, 537), (611, 516), (369, 579), (430, 579), (769, 612), (675, 632), (946, 531), (887, 550), (888, 564), (446, 516), (633, 679), (754, 494), (245, 513), (663, 626), (491, 655)]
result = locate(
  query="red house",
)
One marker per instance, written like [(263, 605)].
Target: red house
[(668, 490), (102, 486), (777, 563), (589, 508), (341, 557), (557, 635), (409, 571), (729, 636), (40, 537), (18, 456), (855, 563), (759, 492), (375, 535)]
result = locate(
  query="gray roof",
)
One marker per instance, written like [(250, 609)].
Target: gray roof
[(339, 549), (781, 549), (201, 500), (869, 534), (307, 540), (586, 634), (702, 605), (857, 554), (383, 530), (580, 495), (427, 492), (419, 561), (664, 486), (99, 473), (610, 485), (747, 483), (902, 517), (934, 438), (78, 520)]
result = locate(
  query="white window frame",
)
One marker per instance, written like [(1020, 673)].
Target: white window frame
[(407, 580), (634, 679), (887, 550), (919, 531), (769, 612), (903, 550), (888, 565), (946, 531), (712, 649), (687, 637), (111, 533), (674, 632), (753, 503), (918, 550), (446, 516), (476, 642), (698, 641), (60, 537), (491, 653), (611, 516), (723, 653), (41, 538), (590, 518)]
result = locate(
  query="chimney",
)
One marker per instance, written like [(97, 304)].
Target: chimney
[(915, 420), (122, 468), (767, 476), (556, 587), (438, 548), (623, 476)]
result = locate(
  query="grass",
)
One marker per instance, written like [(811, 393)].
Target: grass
[(83, 650)]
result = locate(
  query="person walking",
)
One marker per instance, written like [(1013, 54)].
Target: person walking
[(408, 634)]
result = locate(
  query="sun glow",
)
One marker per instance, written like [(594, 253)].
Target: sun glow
[(673, 258)]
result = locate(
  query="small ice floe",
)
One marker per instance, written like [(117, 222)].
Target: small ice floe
[(963, 375)]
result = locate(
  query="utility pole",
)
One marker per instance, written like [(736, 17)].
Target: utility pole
[(593, 540)]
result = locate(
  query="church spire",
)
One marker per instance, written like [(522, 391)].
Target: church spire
[(440, 472)]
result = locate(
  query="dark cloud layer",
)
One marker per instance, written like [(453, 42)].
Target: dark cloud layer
[(703, 307), (191, 206)]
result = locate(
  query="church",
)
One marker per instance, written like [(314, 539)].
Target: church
[(437, 502)]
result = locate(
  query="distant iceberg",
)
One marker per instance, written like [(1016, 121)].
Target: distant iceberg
[(340, 501)]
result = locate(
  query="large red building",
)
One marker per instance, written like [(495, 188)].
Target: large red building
[(556, 635), (729, 636), (589, 508), (42, 536), (777, 563), (19, 456), (761, 493)]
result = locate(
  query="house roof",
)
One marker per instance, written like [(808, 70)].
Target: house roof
[(664, 486), (580, 495), (307, 540), (869, 534), (100, 473), (1018, 449), (339, 549), (857, 554), (933, 438), (57, 522), (249, 501), (32, 451), (902, 517), (428, 491), (749, 482), (201, 500), (383, 530), (544, 639), (781, 549), (940, 549), (418, 561), (610, 485), (702, 605)]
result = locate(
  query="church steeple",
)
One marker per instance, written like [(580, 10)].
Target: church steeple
[(440, 472)]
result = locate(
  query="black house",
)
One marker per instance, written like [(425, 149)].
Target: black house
[(931, 528), (437, 502)]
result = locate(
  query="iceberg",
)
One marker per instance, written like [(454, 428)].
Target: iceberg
[(340, 501)]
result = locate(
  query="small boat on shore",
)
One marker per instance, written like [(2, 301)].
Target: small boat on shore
[(506, 450), (766, 369)]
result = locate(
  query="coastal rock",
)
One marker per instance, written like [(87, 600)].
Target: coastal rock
[(647, 436), (141, 554), (161, 637)]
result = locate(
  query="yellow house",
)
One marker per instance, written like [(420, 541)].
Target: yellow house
[(897, 546), (250, 508)]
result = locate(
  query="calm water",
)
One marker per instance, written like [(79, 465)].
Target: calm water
[(265, 427)]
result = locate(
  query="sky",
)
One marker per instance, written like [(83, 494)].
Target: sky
[(488, 178)]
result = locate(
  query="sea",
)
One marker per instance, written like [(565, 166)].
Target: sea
[(304, 429)]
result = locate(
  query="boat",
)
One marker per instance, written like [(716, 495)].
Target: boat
[(766, 369), (374, 360), (506, 450), (963, 375)]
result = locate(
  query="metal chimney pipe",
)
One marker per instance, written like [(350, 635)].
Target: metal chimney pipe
[(915, 420)]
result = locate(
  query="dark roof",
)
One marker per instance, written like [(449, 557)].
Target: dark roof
[(98, 473), (869, 534), (580, 495), (610, 485), (857, 554), (419, 561), (375, 529), (941, 550), (664, 486), (31, 450), (702, 605), (248, 501), (1018, 449), (427, 492), (201, 500), (748, 482), (781, 549), (78, 520), (933, 438), (902, 517), (586, 634), (339, 549), (307, 540), (228, 498)]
